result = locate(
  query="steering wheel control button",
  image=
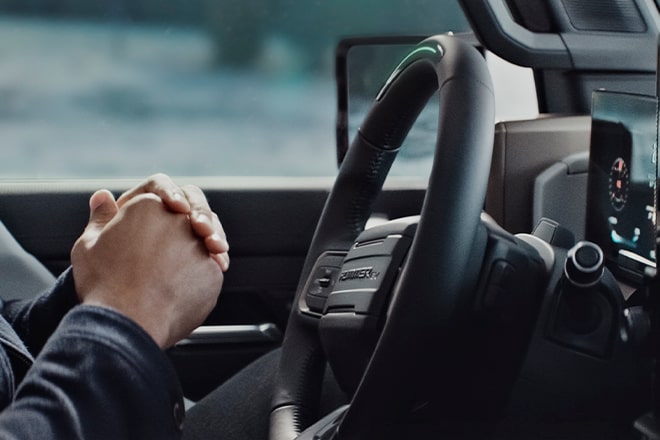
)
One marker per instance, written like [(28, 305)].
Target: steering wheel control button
[(321, 282), (326, 281), (584, 264)]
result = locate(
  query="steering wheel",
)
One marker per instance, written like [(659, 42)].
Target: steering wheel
[(418, 297)]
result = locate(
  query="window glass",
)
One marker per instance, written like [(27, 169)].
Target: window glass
[(107, 88), (368, 63)]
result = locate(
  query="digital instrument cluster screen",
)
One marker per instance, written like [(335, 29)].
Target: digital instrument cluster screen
[(622, 182)]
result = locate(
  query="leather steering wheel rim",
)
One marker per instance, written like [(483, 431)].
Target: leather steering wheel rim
[(428, 300)]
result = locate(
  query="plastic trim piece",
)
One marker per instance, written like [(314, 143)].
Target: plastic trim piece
[(569, 49), (233, 334)]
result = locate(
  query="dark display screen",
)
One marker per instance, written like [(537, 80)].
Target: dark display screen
[(622, 182)]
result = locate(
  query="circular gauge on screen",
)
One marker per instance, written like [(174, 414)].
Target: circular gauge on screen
[(618, 187)]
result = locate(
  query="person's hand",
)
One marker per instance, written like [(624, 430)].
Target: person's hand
[(145, 261), (191, 201)]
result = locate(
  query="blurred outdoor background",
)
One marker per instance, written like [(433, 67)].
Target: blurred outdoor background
[(105, 88)]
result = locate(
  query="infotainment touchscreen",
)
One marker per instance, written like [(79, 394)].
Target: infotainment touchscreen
[(622, 182)]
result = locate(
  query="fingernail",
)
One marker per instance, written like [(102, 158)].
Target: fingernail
[(179, 198), (221, 260), (224, 258), (202, 218), (221, 241)]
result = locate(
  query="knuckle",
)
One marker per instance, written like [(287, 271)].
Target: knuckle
[(194, 192), (158, 177), (191, 187), (157, 182), (145, 201)]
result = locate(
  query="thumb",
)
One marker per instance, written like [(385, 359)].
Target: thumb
[(102, 209)]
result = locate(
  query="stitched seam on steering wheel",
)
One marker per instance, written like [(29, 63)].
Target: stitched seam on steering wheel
[(363, 197), (299, 416), (395, 130)]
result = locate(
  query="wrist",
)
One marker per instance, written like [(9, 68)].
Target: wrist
[(151, 326)]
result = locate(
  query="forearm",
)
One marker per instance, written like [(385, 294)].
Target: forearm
[(99, 376), (35, 320)]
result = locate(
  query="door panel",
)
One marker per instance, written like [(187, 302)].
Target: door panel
[(269, 224)]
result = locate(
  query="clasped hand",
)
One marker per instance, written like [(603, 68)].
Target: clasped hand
[(156, 255)]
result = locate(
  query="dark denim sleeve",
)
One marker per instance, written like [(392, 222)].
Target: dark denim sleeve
[(35, 320), (99, 376)]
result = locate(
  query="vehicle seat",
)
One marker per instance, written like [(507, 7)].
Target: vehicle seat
[(22, 276), (522, 151)]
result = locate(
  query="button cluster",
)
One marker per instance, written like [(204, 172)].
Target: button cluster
[(322, 282)]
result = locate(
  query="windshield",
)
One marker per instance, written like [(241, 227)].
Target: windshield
[(129, 88)]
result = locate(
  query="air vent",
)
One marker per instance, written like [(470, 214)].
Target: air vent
[(605, 15)]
